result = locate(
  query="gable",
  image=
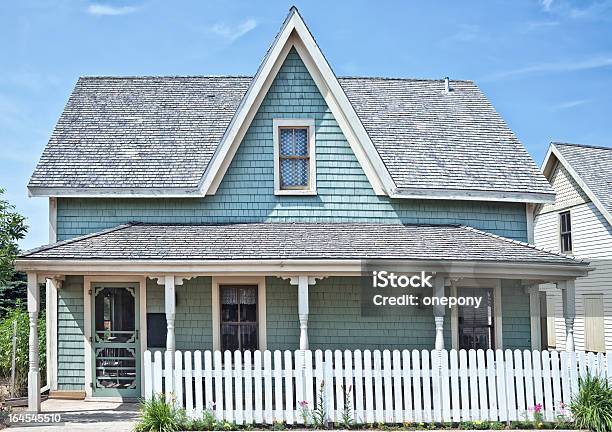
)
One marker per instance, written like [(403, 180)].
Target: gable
[(568, 192), (589, 168), (294, 94)]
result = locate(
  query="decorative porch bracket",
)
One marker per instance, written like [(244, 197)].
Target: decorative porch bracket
[(34, 371), (303, 282), (439, 310), (568, 293)]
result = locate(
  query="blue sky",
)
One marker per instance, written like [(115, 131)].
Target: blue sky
[(546, 65)]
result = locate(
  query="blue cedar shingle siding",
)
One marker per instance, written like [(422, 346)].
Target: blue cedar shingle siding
[(516, 316), (335, 320), (193, 323), (70, 331), (246, 193)]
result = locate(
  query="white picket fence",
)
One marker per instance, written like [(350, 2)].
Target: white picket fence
[(380, 387)]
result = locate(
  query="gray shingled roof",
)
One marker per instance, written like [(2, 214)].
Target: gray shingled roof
[(160, 132), (298, 240), (141, 132), (594, 166)]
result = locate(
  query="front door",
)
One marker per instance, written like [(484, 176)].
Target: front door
[(115, 340)]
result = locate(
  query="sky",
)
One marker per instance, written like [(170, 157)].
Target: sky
[(546, 65)]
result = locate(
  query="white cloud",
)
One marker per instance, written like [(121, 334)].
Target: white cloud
[(546, 4), (588, 64), (572, 104), (583, 10), (105, 9), (233, 33), (466, 33)]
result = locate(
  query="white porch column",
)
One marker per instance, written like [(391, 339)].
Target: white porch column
[(568, 293), (439, 311), (303, 283), (303, 310), (34, 372), (170, 309)]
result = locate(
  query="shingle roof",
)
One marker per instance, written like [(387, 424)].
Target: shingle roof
[(594, 166), (297, 241), (139, 132), (431, 139), (160, 132)]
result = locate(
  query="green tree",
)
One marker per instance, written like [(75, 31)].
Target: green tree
[(12, 229)]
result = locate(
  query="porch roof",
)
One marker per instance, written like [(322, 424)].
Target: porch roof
[(295, 241)]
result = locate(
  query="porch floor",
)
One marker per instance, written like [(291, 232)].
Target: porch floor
[(79, 415)]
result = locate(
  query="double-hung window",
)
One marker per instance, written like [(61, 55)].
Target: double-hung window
[(565, 231), (294, 157)]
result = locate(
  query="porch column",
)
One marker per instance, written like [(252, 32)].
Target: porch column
[(303, 310), (439, 311), (170, 308), (303, 283), (34, 371), (568, 293)]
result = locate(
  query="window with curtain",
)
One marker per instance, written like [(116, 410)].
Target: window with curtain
[(238, 317), (294, 158)]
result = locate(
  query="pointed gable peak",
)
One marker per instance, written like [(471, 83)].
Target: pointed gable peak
[(294, 34)]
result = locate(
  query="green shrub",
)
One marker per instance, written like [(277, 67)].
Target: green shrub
[(20, 315), (157, 415), (592, 406)]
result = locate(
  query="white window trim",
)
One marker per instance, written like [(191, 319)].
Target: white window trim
[(497, 308), (261, 306), (312, 173)]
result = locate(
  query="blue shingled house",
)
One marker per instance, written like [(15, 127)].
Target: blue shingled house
[(236, 212)]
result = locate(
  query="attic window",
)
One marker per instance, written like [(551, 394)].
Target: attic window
[(294, 157)]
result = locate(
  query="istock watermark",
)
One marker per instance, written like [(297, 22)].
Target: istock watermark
[(392, 292)]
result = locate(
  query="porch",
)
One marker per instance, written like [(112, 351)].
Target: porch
[(196, 288)]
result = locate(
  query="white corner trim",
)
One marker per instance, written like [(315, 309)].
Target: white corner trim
[(295, 34), (142, 316), (546, 169), (312, 161), (530, 215), (52, 219), (260, 281), (87, 335), (499, 321), (51, 288), (454, 319)]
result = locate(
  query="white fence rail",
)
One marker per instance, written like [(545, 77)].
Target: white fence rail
[(386, 387)]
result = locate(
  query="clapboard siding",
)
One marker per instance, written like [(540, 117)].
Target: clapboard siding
[(591, 240), (246, 193), (568, 193), (70, 331)]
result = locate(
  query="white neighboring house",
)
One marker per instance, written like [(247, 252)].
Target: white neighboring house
[(579, 223)]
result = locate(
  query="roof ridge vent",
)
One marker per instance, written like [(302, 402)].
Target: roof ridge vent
[(447, 88)]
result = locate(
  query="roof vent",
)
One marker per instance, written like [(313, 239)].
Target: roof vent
[(447, 88)]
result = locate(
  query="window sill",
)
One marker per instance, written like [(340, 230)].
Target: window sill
[(295, 192)]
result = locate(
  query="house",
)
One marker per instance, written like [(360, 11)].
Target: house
[(579, 223), (240, 212)]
